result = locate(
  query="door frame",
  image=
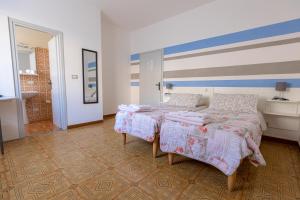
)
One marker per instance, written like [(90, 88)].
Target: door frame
[(161, 73), (58, 35)]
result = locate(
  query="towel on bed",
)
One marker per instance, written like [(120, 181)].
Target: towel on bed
[(193, 118), (135, 108)]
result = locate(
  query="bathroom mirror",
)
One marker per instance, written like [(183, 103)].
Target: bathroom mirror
[(90, 76), (27, 61)]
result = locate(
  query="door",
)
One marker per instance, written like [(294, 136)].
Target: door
[(151, 77), (53, 62)]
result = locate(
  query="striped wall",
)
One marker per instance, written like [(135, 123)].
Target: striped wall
[(249, 61)]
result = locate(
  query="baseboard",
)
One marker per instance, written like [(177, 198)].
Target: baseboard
[(84, 124), (109, 116)]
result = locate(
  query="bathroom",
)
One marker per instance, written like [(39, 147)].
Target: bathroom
[(35, 82)]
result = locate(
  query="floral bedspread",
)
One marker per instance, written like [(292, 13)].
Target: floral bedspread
[(145, 124), (223, 143)]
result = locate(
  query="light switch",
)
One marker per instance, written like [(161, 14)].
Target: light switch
[(74, 76)]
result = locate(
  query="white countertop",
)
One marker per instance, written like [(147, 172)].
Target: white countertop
[(5, 98)]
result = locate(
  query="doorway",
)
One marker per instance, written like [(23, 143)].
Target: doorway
[(39, 78), (151, 64)]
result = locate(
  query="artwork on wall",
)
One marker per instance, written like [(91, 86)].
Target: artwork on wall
[(90, 76)]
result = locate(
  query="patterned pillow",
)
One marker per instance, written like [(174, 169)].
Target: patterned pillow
[(188, 100), (246, 103)]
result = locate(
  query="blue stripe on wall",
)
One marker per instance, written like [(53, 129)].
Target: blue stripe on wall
[(266, 83), (135, 57), (272, 30)]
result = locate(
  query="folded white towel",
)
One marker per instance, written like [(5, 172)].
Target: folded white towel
[(193, 118), (135, 108)]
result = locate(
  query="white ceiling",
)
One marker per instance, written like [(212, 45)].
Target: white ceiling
[(32, 38), (134, 14)]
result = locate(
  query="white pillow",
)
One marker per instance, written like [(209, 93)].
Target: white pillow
[(246, 103), (187, 100)]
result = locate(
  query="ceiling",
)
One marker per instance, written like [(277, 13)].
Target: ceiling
[(135, 14), (31, 38)]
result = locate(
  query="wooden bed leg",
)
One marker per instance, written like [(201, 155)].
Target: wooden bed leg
[(231, 181), (155, 146), (124, 138), (170, 158)]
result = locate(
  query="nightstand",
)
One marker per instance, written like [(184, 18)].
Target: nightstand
[(283, 119)]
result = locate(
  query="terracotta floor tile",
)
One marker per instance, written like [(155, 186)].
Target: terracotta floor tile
[(40, 127), (163, 185), (105, 186), (136, 169), (134, 193), (40, 188)]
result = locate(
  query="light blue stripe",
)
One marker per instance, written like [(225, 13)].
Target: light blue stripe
[(135, 83), (283, 28), (272, 30), (135, 57), (91, 64), (261, 83)]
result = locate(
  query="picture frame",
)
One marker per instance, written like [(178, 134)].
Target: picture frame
[(90, 76)]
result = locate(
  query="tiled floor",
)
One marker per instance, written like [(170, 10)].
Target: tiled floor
[(92, 163), (39, 127)]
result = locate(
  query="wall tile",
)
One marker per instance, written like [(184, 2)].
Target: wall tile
[(37, 108)]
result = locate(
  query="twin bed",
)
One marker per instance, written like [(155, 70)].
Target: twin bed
[(222, 135)]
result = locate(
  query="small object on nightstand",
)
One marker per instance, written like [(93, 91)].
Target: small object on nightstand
[(280, 98)]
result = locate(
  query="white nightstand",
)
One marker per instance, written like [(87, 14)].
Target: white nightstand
[(283, 119)]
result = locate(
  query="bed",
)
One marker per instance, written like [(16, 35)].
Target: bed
[(146, 125), (233, 134)]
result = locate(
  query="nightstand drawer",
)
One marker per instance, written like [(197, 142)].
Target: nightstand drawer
[(282, 108), (282, 122)]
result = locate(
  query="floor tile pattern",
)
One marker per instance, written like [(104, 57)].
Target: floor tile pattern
[(92, 163)]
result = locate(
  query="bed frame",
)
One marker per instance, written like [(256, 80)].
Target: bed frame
[(155, 144), (230, 179)]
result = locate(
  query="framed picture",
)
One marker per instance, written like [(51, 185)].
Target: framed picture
[(90, 76)]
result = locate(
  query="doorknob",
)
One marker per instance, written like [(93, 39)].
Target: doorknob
[(158, 85)]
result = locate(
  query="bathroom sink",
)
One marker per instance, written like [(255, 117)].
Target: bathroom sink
[(29, 94)]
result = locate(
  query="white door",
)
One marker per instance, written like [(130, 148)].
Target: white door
[(53, 61), (151, 77)]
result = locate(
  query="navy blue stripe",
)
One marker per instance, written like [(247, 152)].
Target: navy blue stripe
[(135, 57), (272, 30), (261, 83)]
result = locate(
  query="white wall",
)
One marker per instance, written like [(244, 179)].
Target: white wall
[(8, 120), (116, 67), (213, 19), (80, 23)]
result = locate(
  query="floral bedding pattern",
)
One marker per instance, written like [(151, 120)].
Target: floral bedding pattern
[(223, 143), (145, 124)]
